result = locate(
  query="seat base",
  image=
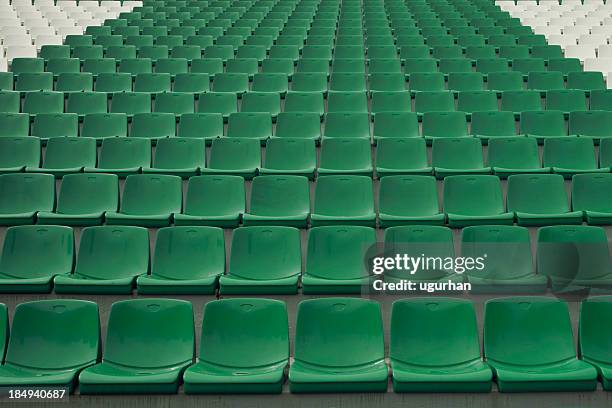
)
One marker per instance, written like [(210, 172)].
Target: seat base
[(79, 220), (570, 375), (304, 378), (459, 221), (294, 172), (158, 285), (232, 285), (534, 220), (206, 378), (84, 285), (312, 285), (298, 221), (474, 376), (598, 218), (386, 171), (368, 220), (388, 220), (151, 221), (227, 221), (504, 173), (246, 173), (34, 285), (15, 376), (121, 173), (26, 218)]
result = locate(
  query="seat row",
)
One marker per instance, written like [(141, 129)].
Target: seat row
[(244, 346), (186, 157), (268, 260), (156, 200)]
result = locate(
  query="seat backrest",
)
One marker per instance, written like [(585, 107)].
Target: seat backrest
[(265, 191), (189, 252), (422, 328), (337, 252), (150, 333), (337, 194), (261, 253), (228, 322), (592, 192), (527, 331), (67, 330), (21, 193), (339, 332), (19, 151), (32, 251), (125, 152), (151, 194), (595, 333), (88, 193), (473, 195), (214, 194), (537, 193), (109, 252)]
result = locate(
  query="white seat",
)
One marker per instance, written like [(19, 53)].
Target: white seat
[(609, 80), (62, 23), (562, 39), (581, 52), (604, 51), (36, 31), (602, 30), (41, 40), (20, 51), (3, 65), (575, 30), (547, 31), (592, 39), (74, 30), (21, 30), (598, 64), (561, 21), (36, 22), (17, 39), (10, 22)]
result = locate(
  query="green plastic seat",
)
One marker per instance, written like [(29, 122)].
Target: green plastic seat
[(266, 209), (131, 103), (206, 126), (264, 260), (301, 125), (426, 81), (65, 155), (83, 200), (260, 102), (260, 366), (509, 264), (394, 209), (347, 102), (103, 126), (540, 199), (6, 81), (505, 81), (347, 82), (304, 102), (174, 102), (594, 336), (63, 65), (83, 103), (47, 126), (408, 52), (434, 101), (520, 102), (250, 125), (10, 102), (54, 51), (287, 51), (137, 358), (182, 157), (592, 124), (479, 52), (71, 336), (345, 156), (210, 66), (273, 83), (475, 200), (547, 51), (216, 200), (528, 343), (290, 156), (568, 100), (420, 65), (347, 125), (476, 101), (148, 200), (187, 260), (586, 81), (74, 82), (114, 82), (343, 199), (590, 194), (23, 196), (109, 260), (444, 125), (192, 83), (598, 100), (220, 51), (401, 155), (316, 69), (172, 66), (339, 347), (487, 125), (249, 66), (543, 124), (455, 65), (386, 65), (237, 156), (574, 257), (99, 65), (231, 82), (565, 65), (454, 156), (153, 126), (17, 153), (119, 52), (490, 65), (224, 103), (34, 81), (88, 52), (277, 66), (32, 255), (527, 65), (449, 324), (154, 52), (309, 81), (545, 81), (514, 155), (317, 52), (43, 102), (395, 124), (14, 125), (465, 81), (386, 82), (571, 155), (27, 65), (152, 83)]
